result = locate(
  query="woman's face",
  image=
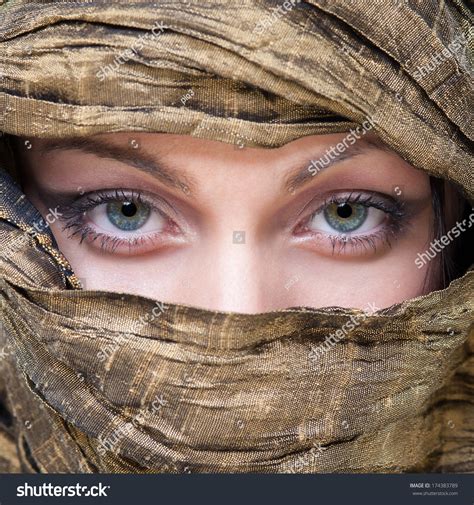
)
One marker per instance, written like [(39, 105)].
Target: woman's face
[(234, 228)]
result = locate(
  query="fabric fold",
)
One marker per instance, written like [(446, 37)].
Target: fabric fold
[(94, 381)]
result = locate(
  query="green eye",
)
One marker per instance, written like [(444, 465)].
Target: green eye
[(128, 216), (345, 217)]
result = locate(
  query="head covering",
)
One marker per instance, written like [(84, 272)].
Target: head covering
[(111, 382)]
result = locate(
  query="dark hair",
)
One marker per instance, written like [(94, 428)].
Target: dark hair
[(450, 207)]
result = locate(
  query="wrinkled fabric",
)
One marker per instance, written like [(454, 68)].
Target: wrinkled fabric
[(103, 382)]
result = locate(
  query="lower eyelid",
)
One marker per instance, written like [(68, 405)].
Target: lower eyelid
[(353, 244), (350, 245), (132, 245)]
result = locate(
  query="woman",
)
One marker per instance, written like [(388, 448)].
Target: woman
[(237, 239), (243, 242)]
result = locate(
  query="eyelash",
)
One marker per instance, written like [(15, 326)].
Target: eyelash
[(397, 222), (73, 218)]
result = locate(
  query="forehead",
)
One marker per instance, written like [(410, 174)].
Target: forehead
[(181, 161)]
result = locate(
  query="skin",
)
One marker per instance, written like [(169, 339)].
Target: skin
[(288, 258)]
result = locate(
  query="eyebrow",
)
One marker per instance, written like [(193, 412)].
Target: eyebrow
[(138, 159), (303, 175)]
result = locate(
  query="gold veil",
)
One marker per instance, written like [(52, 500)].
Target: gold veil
[(85, 386)]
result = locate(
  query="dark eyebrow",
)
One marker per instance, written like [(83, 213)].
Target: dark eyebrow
[(302, 175), (134, 157)]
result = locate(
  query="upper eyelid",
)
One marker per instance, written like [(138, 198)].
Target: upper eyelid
[(121, 194), (328, 199), (365, 202)]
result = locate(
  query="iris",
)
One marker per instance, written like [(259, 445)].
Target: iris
[(345, 217), (128, 216)]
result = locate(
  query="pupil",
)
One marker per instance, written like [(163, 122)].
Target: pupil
[(129, 209), (344, 210)]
